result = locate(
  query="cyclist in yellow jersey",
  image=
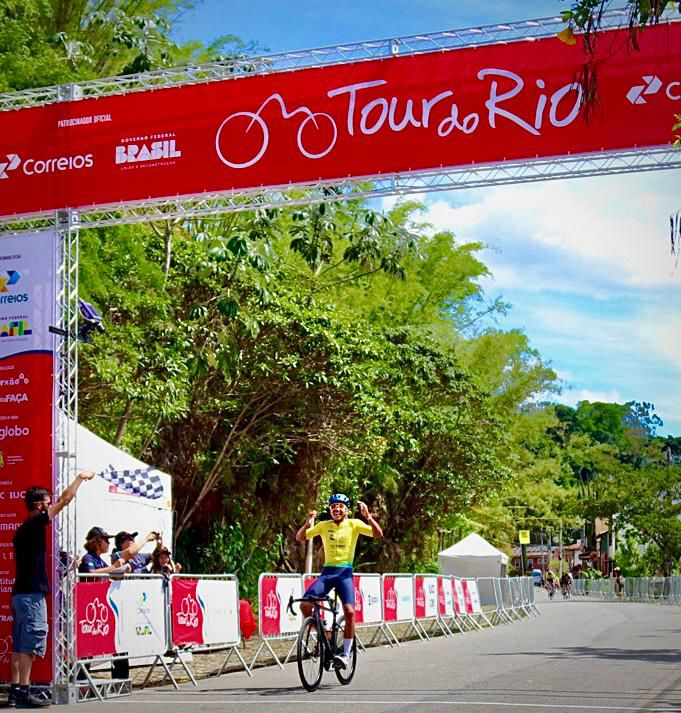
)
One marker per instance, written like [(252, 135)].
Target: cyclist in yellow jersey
[(339, 536)]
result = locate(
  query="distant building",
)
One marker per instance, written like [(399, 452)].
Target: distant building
[(539, 557)]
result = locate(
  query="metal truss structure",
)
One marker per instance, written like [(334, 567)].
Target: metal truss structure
[(365, 187), (68, 222), (527, 30), (65, 420)]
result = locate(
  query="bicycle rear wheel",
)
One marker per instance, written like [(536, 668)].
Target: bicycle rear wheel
[(310, 650), (345, 675)]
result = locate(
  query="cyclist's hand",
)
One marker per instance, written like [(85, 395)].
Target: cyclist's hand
[(311, 517), (363, 509)]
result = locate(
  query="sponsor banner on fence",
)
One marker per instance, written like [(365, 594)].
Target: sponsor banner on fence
[(368, 599), (123, 616), (186, 613), (444, 597), (398, 597), (485, 104), (466, 597), (219, 599), (27, 309), (273, 598), (426, 596), (95, 620), (459, 599), (470, 586)]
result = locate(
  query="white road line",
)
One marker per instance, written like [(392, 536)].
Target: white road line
[(273, 700)]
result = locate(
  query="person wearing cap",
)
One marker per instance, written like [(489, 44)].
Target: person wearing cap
[(97, 544), (129, 551), (31, 586), (339, 535)]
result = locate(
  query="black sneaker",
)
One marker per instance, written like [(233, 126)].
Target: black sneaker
[(26, 700)]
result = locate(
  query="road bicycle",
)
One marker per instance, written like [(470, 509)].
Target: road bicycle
[(318, 643)]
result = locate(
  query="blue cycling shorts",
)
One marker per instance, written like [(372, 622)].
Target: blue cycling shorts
[(338, 578)]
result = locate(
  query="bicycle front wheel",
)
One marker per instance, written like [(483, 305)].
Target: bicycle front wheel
[(310, 650), (345, 675)]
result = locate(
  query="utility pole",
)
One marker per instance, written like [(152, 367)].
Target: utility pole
[(560, 550), (308, 555)]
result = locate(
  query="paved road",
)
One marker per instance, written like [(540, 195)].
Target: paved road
[(578, 656)]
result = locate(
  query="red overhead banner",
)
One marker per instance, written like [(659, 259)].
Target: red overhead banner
[(453, 108)]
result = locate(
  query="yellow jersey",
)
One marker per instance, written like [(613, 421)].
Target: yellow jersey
[(339, 540)]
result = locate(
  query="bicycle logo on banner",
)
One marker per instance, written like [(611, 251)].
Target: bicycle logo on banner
[(318, 131), (189, 612), (271, 607), (96, 619)]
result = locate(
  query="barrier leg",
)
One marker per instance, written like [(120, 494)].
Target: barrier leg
[(183, 663), (234, 650), (168, 674), (383, 629), (266, 644)]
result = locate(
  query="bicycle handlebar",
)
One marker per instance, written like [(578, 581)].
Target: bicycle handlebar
[(312, 600)]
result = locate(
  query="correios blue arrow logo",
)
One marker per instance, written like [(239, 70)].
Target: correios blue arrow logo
[(12, 278)]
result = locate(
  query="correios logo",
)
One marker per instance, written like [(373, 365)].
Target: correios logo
[(12, 278), (652, 85), (39, 166), (12, 162), (189, 612)]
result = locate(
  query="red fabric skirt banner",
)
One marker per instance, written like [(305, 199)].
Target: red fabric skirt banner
[(96, 620), (489, 104), (186, 613)]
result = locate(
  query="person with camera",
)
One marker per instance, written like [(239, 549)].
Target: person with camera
[(130, 551)]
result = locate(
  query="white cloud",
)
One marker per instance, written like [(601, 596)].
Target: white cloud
[(572, 397), (608, 229)]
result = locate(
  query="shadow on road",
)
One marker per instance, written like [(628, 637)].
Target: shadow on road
[(614, 654)]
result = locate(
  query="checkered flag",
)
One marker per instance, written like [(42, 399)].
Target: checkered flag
[(144, 482)]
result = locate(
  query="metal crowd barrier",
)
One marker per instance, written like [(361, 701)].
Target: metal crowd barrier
[(148, 616), (662, 590)]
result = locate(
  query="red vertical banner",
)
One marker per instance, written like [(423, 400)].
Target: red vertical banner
[(270, 613), (420, 596), (186, 613), (359, 609), (96, 620), (27, 309), (389, 599)]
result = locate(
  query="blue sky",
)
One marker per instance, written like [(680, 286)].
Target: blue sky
[(585, 263)]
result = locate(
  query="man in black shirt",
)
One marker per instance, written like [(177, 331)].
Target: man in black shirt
[(31, 585)]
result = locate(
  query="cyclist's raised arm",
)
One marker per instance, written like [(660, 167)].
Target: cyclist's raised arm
[(300, 535), (376, 530)]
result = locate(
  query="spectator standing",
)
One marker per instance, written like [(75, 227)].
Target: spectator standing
[(129, 550), (31, 585), (96, 545)]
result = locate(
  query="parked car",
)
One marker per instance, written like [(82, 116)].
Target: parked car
[(538, 577)]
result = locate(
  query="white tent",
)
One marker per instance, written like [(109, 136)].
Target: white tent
[(473, 557), (104, 504)]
